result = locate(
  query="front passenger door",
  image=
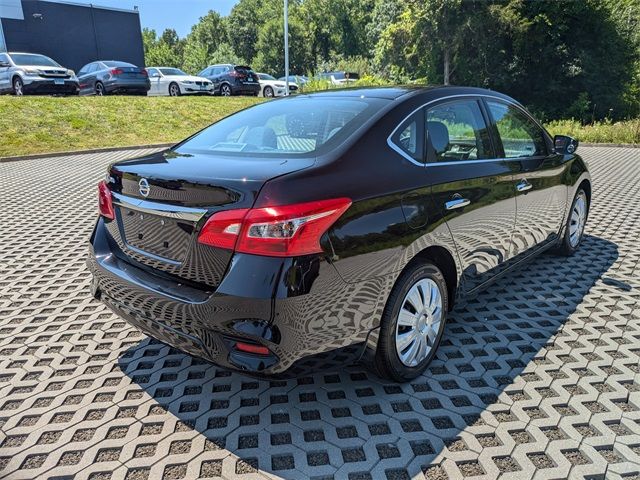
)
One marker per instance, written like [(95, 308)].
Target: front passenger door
[(472, 187), (541, 195)]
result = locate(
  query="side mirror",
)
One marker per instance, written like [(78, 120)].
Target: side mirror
[(565, 145), (155, 75), (4, 64)]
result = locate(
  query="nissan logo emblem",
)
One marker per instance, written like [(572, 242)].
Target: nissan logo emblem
[(144, 187)]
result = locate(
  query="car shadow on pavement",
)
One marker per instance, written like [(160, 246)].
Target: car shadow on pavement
[(487, 392)]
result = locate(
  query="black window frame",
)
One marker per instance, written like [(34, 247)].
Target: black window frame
[(497, 138), (428, 149)]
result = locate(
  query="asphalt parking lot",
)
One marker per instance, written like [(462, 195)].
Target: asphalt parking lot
[(537, 377)]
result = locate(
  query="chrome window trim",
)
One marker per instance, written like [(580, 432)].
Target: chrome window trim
[(162, 209), (405, 155)]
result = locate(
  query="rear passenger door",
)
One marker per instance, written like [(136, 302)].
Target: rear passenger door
[(541, 195), (472, 186)]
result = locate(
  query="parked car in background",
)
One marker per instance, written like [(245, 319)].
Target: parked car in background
[(231, 79), (252, 243), (25, 73), (270, 87), (299, 80), (174, 82), (106, 77), (339, 78)]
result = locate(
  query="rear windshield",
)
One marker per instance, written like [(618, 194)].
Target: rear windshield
[(292, 126), (118, 64), (34, 60)]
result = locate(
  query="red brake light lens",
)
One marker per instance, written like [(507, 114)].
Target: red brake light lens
[(223, 228), (117, 71), (105, 203), (283, 231), (251, 348)]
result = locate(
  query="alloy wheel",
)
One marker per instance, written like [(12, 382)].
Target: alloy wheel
[(18, 87), (225, 91), (268, 92), (578, 219), (174, 90), (99, 89), (419, 322)]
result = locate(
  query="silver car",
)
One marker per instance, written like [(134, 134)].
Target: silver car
[(24, 73)]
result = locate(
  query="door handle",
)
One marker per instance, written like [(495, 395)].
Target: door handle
[(523, 186), (457, 203)]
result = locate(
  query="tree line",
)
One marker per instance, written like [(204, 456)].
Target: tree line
[(561, 58)]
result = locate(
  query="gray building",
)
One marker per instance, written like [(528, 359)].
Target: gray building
[(72, 34)]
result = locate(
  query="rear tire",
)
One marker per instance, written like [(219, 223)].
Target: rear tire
[(18, 87), (174, 90), (412, 323), (268, 92), (100, 90), (574, 229)]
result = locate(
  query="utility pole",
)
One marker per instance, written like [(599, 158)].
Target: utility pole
[(286, 46)]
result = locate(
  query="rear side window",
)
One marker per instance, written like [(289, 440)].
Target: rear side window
[(457, 131), (408, 139), (520, 135), (285, 127)]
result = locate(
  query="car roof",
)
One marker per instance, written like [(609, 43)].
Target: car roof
[(395, 92), (26, 53)]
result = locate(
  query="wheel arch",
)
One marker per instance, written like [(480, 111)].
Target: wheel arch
[(446, 263), (585, 184)]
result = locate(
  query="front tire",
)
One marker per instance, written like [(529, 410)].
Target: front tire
[(18, 87), (174, 90), (225, 90), (412, 323), (100, 90), (574, 229)]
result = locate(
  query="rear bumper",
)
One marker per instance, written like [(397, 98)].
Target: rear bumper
[(299, 308), (247, 89), (127, 86), (49, 86)]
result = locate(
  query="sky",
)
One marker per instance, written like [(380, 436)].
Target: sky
[(161, 14)]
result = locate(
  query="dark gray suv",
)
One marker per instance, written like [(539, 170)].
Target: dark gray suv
[(24, 73), (231, 79)]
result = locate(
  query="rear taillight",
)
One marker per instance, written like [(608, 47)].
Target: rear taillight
[(144, 73), (117, 71), (283, 231), (252, 348), (105, 203)]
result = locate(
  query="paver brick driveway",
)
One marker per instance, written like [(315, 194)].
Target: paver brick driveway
[(537, 377)]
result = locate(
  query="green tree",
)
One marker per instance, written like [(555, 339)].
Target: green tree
[(244, 22), (270, 47)]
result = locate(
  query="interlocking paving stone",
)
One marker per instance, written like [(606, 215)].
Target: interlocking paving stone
[(537, 377)]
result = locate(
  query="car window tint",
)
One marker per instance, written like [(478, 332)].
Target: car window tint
[(457, 131), (409, 137), (520, 135), (297, 126)]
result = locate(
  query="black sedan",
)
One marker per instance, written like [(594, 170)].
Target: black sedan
[(334, 226), (112, 77)]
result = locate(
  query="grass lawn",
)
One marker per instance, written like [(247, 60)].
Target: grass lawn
[(32, 125)]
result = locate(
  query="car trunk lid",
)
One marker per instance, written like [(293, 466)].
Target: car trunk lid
[(163, 200)]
